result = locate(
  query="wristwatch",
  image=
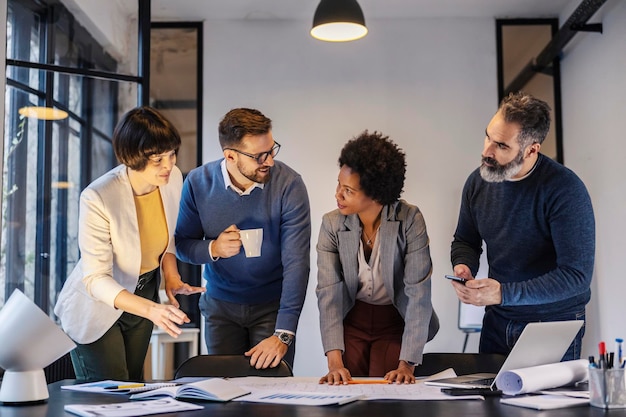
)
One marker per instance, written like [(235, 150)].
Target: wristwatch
[(284, 337)]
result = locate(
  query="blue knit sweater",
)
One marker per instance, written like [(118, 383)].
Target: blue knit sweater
[(281, 208), (540, 240)]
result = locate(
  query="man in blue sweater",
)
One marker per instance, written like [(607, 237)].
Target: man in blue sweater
[(536, 219), (252, 304)]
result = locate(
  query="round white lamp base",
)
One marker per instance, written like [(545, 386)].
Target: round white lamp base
[(25, 386)]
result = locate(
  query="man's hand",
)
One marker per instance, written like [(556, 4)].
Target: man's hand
[(402, 375), (479, 292), (267, 353), (227, 244), (462, 271)]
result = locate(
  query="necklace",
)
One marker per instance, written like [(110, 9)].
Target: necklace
[(368, 240)]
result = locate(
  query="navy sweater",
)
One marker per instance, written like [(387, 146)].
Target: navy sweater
[(281, 208), (540, 240)]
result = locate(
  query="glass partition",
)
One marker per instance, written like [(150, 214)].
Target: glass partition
[(60, 56), (520, 41)]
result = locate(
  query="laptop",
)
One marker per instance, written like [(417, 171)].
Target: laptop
[(539, 344)]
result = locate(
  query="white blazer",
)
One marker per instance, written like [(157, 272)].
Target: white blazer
[(110, 247)]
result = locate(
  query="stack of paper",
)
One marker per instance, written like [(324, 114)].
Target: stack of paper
[(545, 401), (131, 409)]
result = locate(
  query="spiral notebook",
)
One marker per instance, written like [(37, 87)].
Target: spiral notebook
[(110, 386)]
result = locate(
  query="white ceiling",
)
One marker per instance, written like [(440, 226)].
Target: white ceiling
[(195, 10)]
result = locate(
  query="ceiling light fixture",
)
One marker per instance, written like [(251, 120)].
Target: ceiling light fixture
[(43, 113), (338, 21)]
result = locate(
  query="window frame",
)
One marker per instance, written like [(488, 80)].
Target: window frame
[(51, 76)]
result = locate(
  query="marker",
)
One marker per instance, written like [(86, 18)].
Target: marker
[(592, 362), (368, 381), (618, 349), (128, 386), (601, 355)]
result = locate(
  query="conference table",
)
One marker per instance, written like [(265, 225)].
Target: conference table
[(490, 407)]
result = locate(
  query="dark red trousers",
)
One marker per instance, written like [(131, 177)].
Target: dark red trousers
[(373, 338)]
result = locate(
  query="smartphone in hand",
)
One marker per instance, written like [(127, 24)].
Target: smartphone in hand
[(457, 279)]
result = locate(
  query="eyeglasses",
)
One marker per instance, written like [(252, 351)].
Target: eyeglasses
[(260, 157)]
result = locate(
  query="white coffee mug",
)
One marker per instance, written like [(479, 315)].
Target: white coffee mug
[(252, 240)]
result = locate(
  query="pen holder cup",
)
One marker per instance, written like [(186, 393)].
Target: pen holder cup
[(607, 388)]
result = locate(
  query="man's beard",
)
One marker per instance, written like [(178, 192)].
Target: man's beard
[(497, 172), (255, 175)]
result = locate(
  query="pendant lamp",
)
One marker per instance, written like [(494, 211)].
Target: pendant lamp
[(338, 21)]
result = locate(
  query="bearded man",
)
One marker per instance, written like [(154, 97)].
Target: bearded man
[(535, 219)]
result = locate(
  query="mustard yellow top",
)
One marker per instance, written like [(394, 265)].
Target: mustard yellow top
[(152, 229)]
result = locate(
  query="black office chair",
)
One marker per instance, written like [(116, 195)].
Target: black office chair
[(60, 369), (462, 363), (227, 366)]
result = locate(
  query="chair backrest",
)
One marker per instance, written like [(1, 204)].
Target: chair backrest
[(60, 369), (227, 366), (462, 363)]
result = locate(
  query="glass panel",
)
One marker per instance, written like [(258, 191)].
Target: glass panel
[(72, 33), (46, 163), (102, 156), (174, 51), (19, 202), (39, 242), (521, 42)]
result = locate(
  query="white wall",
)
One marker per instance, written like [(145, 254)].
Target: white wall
[(429, 84), (593, 74)]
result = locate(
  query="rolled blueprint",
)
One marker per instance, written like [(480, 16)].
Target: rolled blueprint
[(537, 378)]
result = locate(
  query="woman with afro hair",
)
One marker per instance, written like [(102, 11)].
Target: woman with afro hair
[(374, 269)]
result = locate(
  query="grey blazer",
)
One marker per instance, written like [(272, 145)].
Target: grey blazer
[(406, 269)]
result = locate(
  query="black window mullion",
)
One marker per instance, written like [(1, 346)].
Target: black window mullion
[(61, 234), (44, 176)]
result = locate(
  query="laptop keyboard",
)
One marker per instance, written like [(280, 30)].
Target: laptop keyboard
[(485, 381)]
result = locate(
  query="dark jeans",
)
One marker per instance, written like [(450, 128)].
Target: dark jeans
[(499, 334), (120, 353), (233, 329)]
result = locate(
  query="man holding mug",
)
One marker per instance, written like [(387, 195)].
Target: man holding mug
[(252, 303)]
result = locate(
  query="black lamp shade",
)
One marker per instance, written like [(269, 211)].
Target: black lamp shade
[(338, 21)]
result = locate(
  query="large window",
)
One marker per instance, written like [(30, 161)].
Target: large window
[(60, 57)]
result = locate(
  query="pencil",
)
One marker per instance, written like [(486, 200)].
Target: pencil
[(368, 381), (127, 386)]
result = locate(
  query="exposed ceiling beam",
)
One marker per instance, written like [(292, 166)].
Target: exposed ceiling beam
[(542, 63)]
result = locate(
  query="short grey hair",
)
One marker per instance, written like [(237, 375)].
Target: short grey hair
[(530, 113)]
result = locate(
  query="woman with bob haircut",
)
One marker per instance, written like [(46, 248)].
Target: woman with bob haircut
[(109, 304), (374, 269)]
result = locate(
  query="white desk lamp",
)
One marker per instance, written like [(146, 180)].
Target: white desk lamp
[(30, 342)]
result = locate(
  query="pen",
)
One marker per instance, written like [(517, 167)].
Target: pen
[(618, 349), (127, 386), (368, 381), (592, 362)]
